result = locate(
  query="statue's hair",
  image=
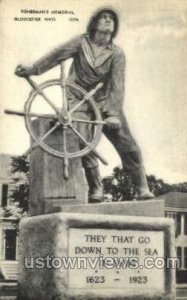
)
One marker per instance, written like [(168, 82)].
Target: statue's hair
[(92, 25)]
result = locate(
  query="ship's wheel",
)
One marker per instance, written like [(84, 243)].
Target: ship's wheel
[(64, 118)]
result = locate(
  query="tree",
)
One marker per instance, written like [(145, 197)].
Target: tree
[(20, 177), (158, 186), (119, 185), (180, 187)]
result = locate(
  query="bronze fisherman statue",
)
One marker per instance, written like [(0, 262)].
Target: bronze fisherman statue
[(97, 59)]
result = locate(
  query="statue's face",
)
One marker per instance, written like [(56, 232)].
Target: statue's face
[(105, 23)]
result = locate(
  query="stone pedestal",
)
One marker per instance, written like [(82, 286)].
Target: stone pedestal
[(48, 187), (145, 208), (69, 250), (75, 256)]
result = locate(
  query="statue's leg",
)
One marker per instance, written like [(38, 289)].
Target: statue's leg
[(95, 194), (130, 154), (90, 163)]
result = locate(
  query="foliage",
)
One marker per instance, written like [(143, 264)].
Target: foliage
[(158, 186), (120, 186), (180, 187), (20, 178), (12, 211)]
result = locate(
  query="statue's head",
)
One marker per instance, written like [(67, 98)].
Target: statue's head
[(105, 19)]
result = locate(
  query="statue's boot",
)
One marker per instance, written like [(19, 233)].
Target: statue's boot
[(95, 193), (141, 185)]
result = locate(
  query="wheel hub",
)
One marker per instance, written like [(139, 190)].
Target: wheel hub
[(64, 118)]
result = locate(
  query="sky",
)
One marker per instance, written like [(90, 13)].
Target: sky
[(153, 35)]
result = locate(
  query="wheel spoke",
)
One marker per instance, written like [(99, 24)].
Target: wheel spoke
[(64, 99), (78, 104), (41, 139), (23, 114), (66, 163), (49, 102), (96, 122), (65, 140), (40, 92), (80, 136), (86, 97), (14, 112), (102, 159), (45, 116)]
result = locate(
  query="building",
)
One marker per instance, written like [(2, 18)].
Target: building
[(8, 225), (176, 208)]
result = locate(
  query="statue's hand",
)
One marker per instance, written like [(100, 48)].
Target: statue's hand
[(24, 71), (113, 122)]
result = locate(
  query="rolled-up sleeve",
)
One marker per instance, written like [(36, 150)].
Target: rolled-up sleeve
[(59, 54), (116, 84)]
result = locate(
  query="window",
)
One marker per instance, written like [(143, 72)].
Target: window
[(185, 223), (177, 218), (182, 256), (4, 195), (177, 224), (179, 255), (185, 258), (10, 244)]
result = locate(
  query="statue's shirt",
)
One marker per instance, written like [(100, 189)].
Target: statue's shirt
[(90, 68)]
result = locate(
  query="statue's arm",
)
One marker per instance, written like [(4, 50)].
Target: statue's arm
[(59, 54), (51, 59)]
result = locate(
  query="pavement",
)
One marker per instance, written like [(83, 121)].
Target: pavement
[(10, 292)]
